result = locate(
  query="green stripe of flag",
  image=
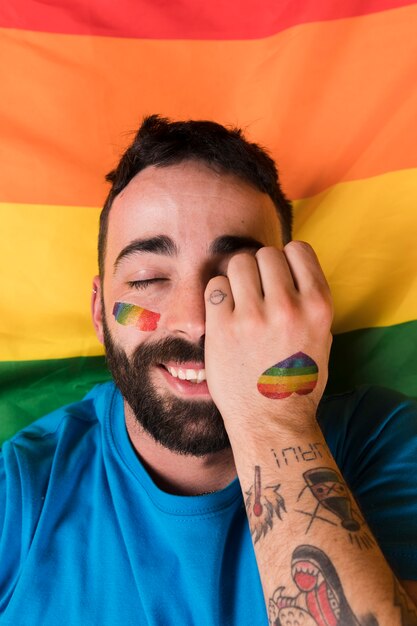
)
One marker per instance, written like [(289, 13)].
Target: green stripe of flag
[(379, 356), (29, 389)]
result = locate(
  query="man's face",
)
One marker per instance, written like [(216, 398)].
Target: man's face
[(171, 230)]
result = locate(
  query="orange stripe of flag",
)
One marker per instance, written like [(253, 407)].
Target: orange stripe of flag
[(64, 114)]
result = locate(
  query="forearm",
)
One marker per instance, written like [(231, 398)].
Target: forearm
[(315, 553), (267, 351)]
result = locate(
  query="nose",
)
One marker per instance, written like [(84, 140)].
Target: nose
[(185, 315)]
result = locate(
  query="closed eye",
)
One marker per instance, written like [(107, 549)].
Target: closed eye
[(143, 284)]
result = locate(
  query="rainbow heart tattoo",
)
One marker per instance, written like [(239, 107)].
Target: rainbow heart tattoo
[(132, 315), (297, 374)]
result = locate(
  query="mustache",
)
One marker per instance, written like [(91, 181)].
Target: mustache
[(169, 349)]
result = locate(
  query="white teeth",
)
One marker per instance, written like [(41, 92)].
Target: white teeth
[(195, 376)]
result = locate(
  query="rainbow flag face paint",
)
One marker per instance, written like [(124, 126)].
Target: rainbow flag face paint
[(132, 315), (297, 374)]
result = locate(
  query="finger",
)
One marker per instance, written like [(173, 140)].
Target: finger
[(218, 298), (305, 268), (245, 282), (275, 273)]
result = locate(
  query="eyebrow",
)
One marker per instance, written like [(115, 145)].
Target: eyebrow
[(227, 244), (160, 244)]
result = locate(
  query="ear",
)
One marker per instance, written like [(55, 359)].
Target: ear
[(96, 309)]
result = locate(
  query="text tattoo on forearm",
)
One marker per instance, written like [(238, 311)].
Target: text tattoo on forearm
[(296, 454)]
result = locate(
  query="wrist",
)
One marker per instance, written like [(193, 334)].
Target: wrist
[(285, 417), (253, 438)]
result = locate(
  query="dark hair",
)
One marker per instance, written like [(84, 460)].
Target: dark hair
[(161, 142)]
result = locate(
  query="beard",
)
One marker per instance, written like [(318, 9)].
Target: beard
[(189, 427)]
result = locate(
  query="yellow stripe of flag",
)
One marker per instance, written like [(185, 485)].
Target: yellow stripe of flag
[(363, 231), (286, 380)]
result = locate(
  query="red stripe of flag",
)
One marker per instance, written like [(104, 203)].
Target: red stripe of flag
[(190, 19)]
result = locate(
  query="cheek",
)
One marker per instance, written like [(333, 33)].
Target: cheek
[(133, 315)]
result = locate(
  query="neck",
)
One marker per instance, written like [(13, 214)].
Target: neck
[(177, 473)]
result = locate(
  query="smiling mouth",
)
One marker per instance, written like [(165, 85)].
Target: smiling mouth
[(195, 376)]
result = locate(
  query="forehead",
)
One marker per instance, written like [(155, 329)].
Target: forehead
[(193, 205)]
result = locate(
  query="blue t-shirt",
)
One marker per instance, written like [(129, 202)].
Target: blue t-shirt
[(88, 538)]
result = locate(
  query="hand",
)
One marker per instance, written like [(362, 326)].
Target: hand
[(270, 307)]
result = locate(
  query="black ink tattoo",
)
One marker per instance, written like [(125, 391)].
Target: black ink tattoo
[(295, 454), (262, 504), (408, 611), (332, 496), (217, 296), (319, 599)]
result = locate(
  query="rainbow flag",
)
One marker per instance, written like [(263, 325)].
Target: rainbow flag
[(328, 87)]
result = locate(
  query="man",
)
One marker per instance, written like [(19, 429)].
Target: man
[(125, 508)]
